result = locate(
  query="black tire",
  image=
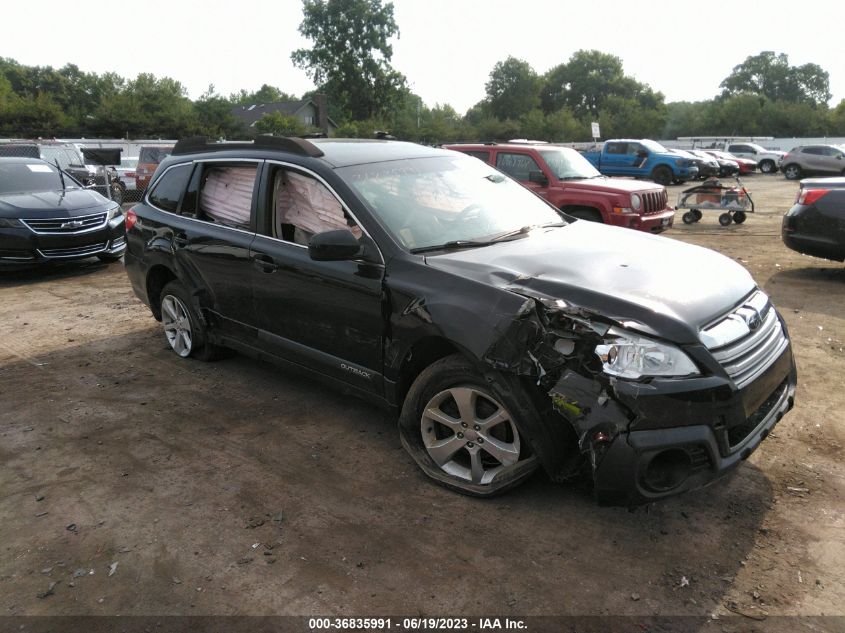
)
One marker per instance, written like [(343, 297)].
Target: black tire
[(792, 172), (109, 258), (739, 217), (199, 347), (725, 219), (697, 215), (591, 215), (688, 217), (768, 166), (421, 433), (662, 175)]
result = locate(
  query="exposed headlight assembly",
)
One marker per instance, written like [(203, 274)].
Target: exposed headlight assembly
[(628, 355)]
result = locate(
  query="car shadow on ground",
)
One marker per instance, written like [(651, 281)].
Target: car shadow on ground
[(52, 272), (142, 451), (828, 283)]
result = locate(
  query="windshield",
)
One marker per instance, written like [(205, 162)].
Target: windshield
[(427, 202), (653, 146), (567, 164), (31, 177)]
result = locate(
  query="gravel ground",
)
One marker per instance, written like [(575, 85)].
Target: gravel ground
[(133, 482)]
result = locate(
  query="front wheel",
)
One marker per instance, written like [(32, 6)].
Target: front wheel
[(662, 175), (768, 166), (184, 331), (792, 172), (463, 431), (725, 219), (740, 217), (688, 217)]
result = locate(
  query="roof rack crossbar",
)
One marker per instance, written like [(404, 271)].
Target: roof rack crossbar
[(291, 144)]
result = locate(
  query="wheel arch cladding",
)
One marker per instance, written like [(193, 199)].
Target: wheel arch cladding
[(157, 278)]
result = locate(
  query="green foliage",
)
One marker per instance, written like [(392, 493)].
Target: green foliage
[(770, 75), (350, 55), (513, 89), (265, 94), (280, 125)]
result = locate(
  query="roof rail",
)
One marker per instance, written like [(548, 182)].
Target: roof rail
[(293, 145)]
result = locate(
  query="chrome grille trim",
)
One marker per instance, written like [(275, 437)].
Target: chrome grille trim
[(76, 251), (56, 226), (744, 352)]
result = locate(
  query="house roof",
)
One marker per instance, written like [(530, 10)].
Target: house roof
[(251, 113)]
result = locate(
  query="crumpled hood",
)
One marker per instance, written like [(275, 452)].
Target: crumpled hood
[(670, 287), (25, 205)]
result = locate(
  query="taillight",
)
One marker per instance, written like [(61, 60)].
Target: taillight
[(131, 218), (809, 196)]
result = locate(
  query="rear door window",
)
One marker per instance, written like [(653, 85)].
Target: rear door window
[(517, 166), (225, 194)]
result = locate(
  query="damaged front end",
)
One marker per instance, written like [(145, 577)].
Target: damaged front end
[(646, 419)]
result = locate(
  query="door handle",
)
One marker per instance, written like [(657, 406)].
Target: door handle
[(265, 263)]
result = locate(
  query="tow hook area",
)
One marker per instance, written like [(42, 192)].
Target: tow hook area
[(596, 417)]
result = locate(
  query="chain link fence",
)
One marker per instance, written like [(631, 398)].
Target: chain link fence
[(127, 179)]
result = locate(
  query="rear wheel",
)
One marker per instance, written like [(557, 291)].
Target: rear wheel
[(464, 431), (688, 217), (662, 175), (739, 217), (768, 166), (184, 331), (792, 172), (725, 219)]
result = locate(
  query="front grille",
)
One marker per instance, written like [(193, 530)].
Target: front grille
[(78, 224), (738, 433), (76, 251), (654, 202), (743, 350)]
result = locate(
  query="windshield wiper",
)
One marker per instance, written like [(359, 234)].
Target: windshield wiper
[(493, 240), (61, 176), (450, 245)]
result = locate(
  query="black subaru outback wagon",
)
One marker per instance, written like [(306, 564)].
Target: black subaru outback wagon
[(506, 335)]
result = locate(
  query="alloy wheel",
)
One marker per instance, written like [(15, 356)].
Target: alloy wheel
[(469, 435), (177, 325)]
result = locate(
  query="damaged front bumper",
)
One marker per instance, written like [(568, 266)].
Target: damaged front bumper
[(677, 435)]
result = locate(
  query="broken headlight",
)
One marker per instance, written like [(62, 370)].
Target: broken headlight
[(627, 355)]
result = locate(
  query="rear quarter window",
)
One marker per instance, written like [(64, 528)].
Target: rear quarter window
[(153, 154), (169, 188)]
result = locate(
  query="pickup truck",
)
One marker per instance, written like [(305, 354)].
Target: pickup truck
[(567, 180), (642, 159), (768, 160)]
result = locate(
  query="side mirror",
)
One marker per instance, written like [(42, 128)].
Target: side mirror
[(538, 177), (332, 246)]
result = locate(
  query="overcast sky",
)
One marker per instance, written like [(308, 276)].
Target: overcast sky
[(446, 48)]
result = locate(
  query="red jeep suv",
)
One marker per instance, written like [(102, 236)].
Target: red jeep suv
[(568, 181)]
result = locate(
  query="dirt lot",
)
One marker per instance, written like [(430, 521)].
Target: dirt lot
[(236, 488)]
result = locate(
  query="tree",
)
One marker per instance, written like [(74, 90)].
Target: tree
[(770, 75), (350, 55), (214, 116), (513, 89), (280, 125), (265, 94)]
